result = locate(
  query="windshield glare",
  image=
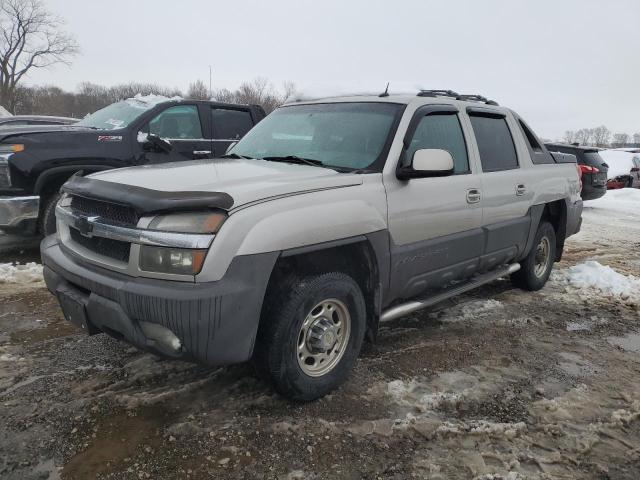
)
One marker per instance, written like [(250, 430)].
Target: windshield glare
[(116, 115), (347, 135)]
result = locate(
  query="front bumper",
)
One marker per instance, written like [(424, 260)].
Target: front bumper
[(15, 211), (216, 322)]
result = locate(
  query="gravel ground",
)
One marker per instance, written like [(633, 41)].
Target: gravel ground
[(497, 384)]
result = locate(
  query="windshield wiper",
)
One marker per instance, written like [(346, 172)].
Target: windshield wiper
[(297, 160), (236, 156)]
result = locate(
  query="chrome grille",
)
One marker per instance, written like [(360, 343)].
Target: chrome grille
[(114, 249)]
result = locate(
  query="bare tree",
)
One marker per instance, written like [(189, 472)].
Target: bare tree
[(258, 91), (198, 91), (583, 136), (636, 137), (30, 37), (620, 139), (600, 136), (570, 136)]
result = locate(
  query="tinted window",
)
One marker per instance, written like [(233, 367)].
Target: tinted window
[(230, 124), (531, 138), (497, 151), (443, 132), (591, 158), (179, 122)]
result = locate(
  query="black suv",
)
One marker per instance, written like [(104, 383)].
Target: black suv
[(593, 167), (36, 160)]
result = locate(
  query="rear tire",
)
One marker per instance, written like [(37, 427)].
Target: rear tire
[(537, 265), (310, 335), (47, 224)]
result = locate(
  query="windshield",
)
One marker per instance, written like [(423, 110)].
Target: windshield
[(116, 115), (347, 135)]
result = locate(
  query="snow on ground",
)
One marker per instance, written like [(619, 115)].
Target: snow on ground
[(620, 162), (625, 201), (20, 273), (593, 277)]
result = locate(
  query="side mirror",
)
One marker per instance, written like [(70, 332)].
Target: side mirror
[(154, 141), (428, 162)]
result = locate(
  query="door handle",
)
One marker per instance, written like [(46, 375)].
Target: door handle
[(473, 195), (201, 153), (521, 189)]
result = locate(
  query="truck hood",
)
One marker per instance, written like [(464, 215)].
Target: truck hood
[(246, 181), (7, 132)]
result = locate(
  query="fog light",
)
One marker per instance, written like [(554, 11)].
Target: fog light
[(171, 260), (165, 339)]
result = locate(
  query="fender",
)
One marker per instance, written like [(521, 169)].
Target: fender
[(297, 222), (46, 175)]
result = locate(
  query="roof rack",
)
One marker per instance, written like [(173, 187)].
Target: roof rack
[(457, 96), (438, 93)]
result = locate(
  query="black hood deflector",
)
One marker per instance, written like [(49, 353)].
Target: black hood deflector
[(145, 200)]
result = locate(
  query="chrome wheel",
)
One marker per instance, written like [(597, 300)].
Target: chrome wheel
[(541, 261), (323, 337)]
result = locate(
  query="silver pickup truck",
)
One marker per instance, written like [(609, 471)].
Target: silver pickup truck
[(327, 218)]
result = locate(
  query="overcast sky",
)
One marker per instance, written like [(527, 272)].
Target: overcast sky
[(563, 64)]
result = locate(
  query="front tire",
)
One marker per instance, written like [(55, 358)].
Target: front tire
[(47, 224), (311, 335), (537, 265)]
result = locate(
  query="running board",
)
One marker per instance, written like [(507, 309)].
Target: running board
[(415, 305)]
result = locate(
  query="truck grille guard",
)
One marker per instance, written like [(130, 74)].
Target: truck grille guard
[(95, 226)]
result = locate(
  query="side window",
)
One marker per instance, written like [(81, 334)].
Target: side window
[(443, 132), (497, 150), (531, 138), (230, 124), (178, 122)]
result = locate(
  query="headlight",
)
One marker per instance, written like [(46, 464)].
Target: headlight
[(11, 148), (5, 152), (179, 261), (199, 222)]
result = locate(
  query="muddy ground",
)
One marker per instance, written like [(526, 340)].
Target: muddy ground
[(498, 384)]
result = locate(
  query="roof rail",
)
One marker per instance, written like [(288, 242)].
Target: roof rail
[(457, 96), (438, 93), (477, 98)]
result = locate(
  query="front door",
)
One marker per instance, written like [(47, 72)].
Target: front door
[(182, 127), (434, 223)]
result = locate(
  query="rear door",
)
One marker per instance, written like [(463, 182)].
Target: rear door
[(229, 125), (182, 126), (507, 196), (434, 223)]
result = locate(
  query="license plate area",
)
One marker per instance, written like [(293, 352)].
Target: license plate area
[(74, 307)]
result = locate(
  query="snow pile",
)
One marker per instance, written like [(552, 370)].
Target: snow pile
[(624, 200), (151, 99), (620, 163), (20, 273), (593, 275)]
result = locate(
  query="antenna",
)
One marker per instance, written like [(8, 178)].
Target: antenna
[(386, 91), (210, 83)]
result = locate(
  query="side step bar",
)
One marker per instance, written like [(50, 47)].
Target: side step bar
[(415, 305)]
